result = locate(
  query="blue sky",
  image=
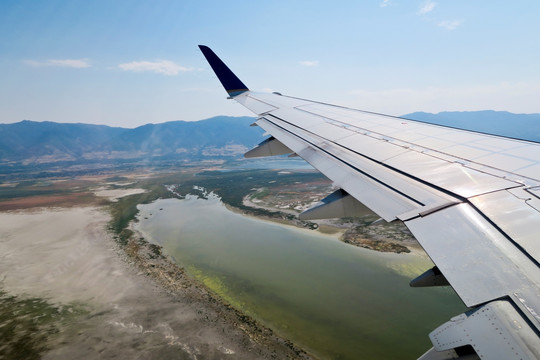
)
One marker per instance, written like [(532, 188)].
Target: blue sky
[(128, 63)]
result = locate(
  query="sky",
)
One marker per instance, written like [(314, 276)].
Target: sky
[(128, 63)]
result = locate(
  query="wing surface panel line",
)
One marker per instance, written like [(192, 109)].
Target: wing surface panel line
[(403, 118), (305, 150), (503, 233), (346, 163), (460, 198), (421, 146), (424, 182)]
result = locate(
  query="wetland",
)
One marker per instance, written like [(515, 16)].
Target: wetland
[(176, 264)]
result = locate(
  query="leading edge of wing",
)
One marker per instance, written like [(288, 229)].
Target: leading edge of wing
[(232, 84)]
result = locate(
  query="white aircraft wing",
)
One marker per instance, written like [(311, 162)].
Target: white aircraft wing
[(471, 199)]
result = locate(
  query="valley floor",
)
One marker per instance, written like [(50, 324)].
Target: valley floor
[(77, 282), (68, 292)]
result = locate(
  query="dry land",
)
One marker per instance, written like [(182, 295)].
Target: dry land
[(70, 291)]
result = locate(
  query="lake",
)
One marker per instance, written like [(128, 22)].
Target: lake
[(334, 300)]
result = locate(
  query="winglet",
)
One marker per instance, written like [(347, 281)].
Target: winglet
[(230, 82)]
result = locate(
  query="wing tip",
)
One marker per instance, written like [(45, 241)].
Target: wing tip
[(232, 84)]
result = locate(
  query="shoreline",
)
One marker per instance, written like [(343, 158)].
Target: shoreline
[(282, 221), (174, 279), (340, 233), (134, 301)]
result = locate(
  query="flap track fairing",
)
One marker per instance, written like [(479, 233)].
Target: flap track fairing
[(268, 147), (339, 204)]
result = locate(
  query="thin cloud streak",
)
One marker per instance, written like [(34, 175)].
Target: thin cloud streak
[(164, 67), (71, 63), (449, 24), (309, 63), (427, 7)]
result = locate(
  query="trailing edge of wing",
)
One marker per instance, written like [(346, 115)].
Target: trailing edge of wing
[(229, 80)]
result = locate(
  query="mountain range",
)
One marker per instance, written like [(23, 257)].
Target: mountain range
[(503, 123), (31, 142), (43, 142)]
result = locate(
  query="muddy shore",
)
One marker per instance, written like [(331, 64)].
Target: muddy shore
[(122, 303), (382, 237)]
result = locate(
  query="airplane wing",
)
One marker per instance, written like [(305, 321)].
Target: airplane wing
[(471, 199)]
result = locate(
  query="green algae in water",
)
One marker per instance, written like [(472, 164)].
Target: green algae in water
[(218, 285), (28, 324)]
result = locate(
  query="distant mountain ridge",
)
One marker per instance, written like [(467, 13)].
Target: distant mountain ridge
[(30, 139), (30, 142), (43, 142), (503, 123)]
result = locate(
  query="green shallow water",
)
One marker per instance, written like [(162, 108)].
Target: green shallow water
[(335, 300)]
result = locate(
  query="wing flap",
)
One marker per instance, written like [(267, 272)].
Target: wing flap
[(511, 213), (489, 266), (494, 331)]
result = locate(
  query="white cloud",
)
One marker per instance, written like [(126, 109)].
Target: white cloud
[(165, 67), (384, 3), (309, 63), (449, 24), (72, 63), (427, 7)]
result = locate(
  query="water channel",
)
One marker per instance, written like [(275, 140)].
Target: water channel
[(335, 300)]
